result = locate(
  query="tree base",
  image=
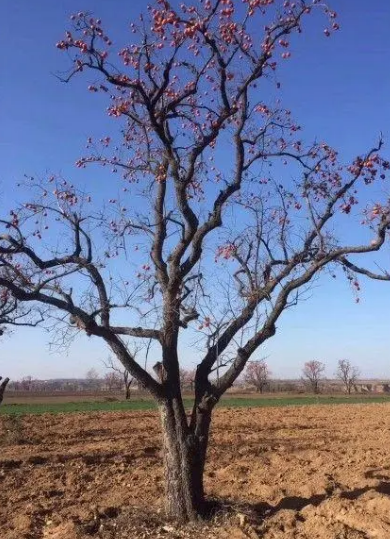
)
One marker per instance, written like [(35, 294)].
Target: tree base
[(184, 459)]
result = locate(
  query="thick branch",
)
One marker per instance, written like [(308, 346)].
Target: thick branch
[(143, 333)]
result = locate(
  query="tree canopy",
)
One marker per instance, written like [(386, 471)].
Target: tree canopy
[(225, 214)]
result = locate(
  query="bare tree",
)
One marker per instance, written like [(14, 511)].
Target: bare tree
[(27, 383), (348, 374), (257, 374), (208, 244), (113, 381), (313, 373), (5, 310), (122, 374), (3, 386), (187, 379), (93, 378)]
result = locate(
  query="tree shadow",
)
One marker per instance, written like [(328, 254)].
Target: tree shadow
[(258, 512), (295, 503), (383, 487)]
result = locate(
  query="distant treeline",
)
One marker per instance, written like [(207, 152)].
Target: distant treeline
[(28, 384)]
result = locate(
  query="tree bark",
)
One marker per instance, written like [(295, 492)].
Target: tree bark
[(184, 460), (3, 385), (128, 389)]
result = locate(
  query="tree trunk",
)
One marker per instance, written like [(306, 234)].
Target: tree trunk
[(184, 460), (3, 385)]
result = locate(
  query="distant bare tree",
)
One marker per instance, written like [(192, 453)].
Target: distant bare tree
[(93, 378), (257, 374), (3, 385), (27, 383), (313, 373), (123, 374), (113, 381), (348, 374), (187, 378)]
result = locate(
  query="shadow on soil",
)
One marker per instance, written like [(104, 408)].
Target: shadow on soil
[(258, 512)]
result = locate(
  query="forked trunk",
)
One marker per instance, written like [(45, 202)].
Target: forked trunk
[(184, 460)]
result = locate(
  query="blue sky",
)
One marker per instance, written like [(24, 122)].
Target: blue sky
[(338, 90)]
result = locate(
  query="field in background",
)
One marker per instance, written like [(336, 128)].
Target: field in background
[(38, 404)]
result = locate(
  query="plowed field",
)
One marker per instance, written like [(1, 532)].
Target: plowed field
[(309, 472)]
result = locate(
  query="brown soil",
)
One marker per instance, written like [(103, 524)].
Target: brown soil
[(293, 473)]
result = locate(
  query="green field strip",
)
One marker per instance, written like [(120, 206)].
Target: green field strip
[(233, 402)]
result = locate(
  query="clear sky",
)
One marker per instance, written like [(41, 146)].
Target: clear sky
[(337, 88)]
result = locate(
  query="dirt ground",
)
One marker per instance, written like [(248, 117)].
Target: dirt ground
[(310, 472)]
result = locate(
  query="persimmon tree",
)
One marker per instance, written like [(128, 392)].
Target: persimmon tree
[(313, 374), (14, 314), (348, 374), (225, 214), (8, 307), (257, 374)]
